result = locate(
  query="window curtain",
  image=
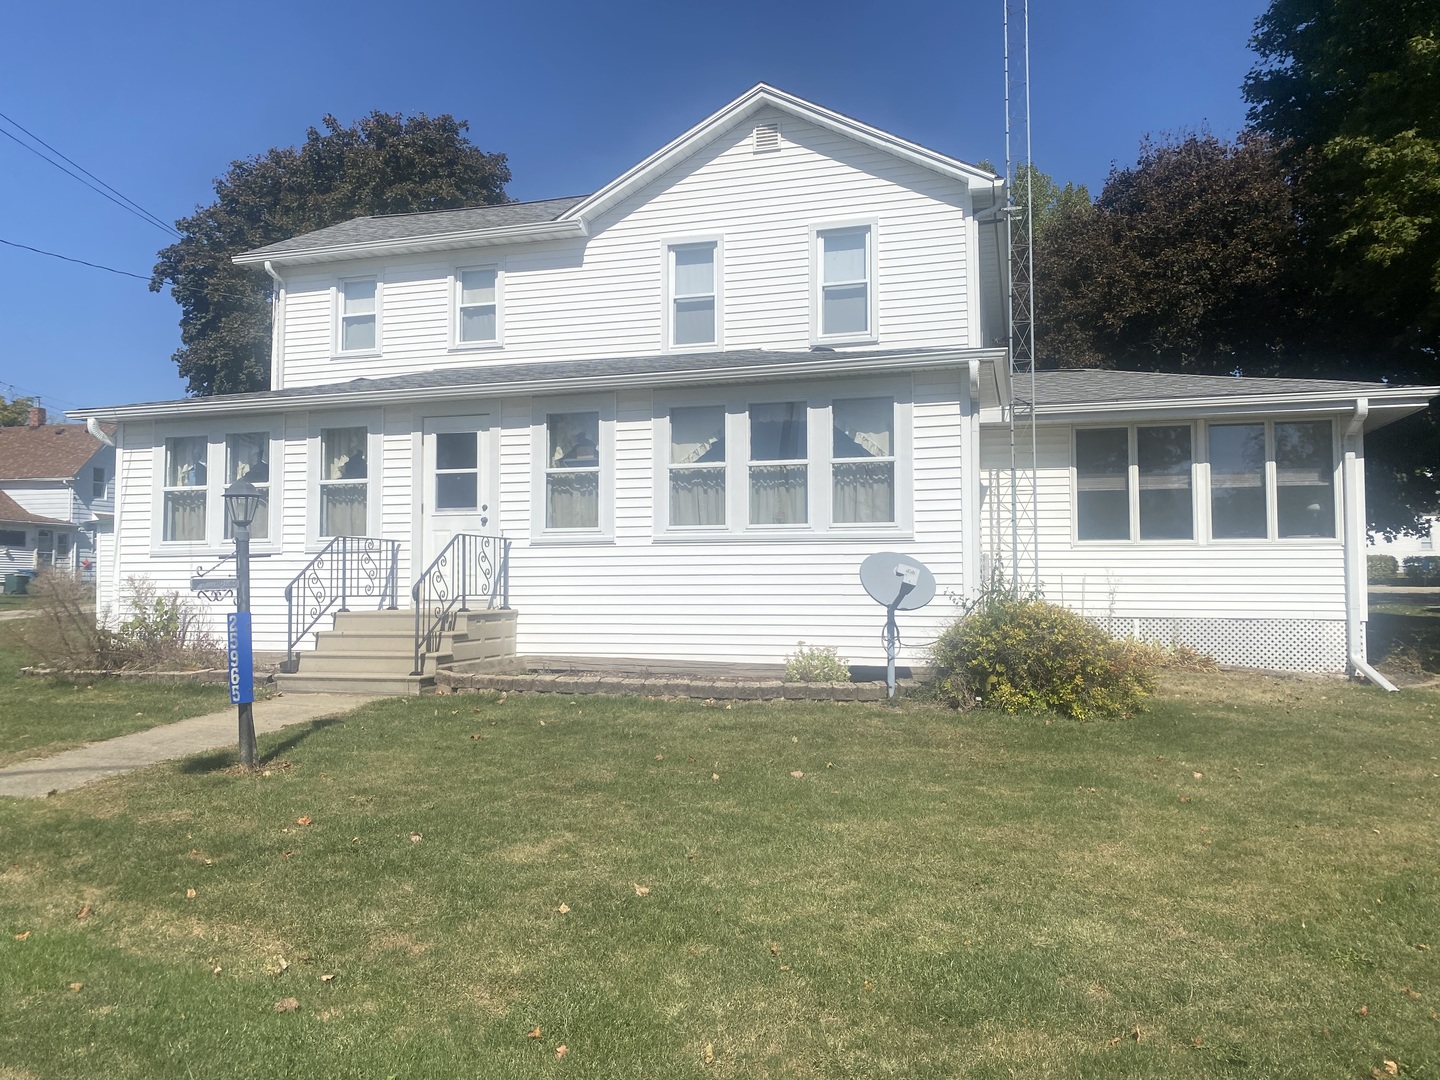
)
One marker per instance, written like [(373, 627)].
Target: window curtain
[(343, 509), (247, 457), (185, 515), (572, 500), (864, 491), (697, 440), (778, 493)]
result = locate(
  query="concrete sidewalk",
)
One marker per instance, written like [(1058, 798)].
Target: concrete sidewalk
[(75, 768)]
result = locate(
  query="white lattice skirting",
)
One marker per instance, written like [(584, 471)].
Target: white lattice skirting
[(1316, 645)]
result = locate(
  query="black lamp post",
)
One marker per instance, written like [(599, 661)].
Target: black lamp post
[(242, 503)]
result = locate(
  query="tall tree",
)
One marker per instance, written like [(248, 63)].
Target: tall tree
[(383, 164), (1189, 260), (16, 411), (1353, 89)]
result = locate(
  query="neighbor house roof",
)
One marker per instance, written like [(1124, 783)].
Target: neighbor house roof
[(48, 452), (547, 219), (12, 512)]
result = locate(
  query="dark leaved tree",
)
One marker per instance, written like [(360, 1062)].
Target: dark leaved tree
[(384, 164)]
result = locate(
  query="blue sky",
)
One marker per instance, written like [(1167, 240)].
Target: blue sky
[(157, 99)]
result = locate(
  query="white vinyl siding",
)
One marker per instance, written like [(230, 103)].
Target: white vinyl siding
[(605, 296)]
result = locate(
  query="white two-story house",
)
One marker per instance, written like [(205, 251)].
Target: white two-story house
[(694, 401)]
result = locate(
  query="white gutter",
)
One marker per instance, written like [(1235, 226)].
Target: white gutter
[(277, 328), (360, 396), (971, 496), (1353, 481)]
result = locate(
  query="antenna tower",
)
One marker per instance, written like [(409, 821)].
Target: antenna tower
[(1019, 221)]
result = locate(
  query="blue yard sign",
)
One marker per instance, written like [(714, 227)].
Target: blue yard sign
[(240, 657)]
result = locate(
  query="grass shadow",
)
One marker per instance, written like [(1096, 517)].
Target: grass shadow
[(220, 760)]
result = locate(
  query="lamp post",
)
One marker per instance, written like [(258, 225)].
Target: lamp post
[(242, 503)]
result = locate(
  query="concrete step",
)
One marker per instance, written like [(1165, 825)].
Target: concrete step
[(402, 619), (392, 685), (345, 641), (360, 662)]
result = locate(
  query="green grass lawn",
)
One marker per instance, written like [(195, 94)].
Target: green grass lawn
[(1244, 882), (14, 603), (45, 716)]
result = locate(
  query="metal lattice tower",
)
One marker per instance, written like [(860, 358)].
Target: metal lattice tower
[(1019, 221)]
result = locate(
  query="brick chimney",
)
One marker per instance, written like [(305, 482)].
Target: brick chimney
[(36, 418)]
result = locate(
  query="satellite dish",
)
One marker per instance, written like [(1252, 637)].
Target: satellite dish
[(897, 581)]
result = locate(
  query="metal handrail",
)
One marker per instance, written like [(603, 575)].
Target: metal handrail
[(364, 569), (472, 566)]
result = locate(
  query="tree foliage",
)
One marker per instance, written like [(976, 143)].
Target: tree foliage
[(16, 411), (1189, 260), (383, 164)]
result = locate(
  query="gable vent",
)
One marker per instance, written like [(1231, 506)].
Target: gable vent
[(765, 137)]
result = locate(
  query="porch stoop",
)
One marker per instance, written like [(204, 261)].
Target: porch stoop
[(373, 652)]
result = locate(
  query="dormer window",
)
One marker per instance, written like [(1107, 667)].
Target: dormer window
[(359, 315)]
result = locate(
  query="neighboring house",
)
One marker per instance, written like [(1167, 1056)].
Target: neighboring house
[(696, 399), (55, 495), (1405, 547)]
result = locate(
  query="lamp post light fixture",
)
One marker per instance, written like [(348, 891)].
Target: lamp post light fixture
[(242, 503)]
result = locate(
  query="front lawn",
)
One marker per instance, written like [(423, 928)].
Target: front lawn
[(45, 716), (1244, 882)]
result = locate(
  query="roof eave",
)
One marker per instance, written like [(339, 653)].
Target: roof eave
[(821, 365), (1396, 402), (531, 232)]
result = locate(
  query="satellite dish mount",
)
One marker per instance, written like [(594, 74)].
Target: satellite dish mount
[(900, 583)]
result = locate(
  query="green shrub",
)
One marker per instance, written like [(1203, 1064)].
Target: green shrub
[(1017, 655), (816, 663), (1422, 570), (1381, 569)]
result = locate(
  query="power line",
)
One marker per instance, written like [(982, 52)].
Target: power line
[(67, 258), (124, 202)]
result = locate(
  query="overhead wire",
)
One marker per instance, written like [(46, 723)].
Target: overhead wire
[(123, 201)]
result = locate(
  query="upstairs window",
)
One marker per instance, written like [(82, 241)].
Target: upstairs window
[(693, 295), (97, 483), (186, 476), (344, 482), (478, 307), (359, 312), (845, 259), (247, 457)]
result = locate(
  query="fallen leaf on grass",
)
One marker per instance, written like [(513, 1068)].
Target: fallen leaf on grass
[(1114, 1042), (1364, 1010), (1411, 994), (564, 909), (280, 966), (714, 777), (1184, 798), (708, 1054), (1197, 1041), (189, 894), (659, 757), (1392, 1068), (285, 1005), (22, 937), (415, 838), (85, 912), (305, 820), (327, 978), (76, 987), (533, 1034), (477, 736), (784, 967), (1198, 775), (640, 890), (561, 1051), (797, 775)]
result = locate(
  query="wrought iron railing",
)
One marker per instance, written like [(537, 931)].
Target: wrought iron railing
[(473, 570), (350, 570)]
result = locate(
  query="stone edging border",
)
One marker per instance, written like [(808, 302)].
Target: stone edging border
[(718, 689)]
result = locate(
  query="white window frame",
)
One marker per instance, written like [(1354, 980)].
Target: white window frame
[(668, 249), (820, 476), (371, 421), (338, 349), (215, 541), (541, 409), (1200, 491), (457, 278), (1272, 493), (818, 233)]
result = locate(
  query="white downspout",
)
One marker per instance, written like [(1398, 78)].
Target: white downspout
[(277, 329), (1355, 569), (970, 496)]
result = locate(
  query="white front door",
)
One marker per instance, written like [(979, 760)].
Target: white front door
[(458, 483)]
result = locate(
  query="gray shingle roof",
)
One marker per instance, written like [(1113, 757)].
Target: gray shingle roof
[(1087, 386), (382, 227)]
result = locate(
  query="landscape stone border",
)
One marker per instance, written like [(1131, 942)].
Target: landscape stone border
[(727, 688)]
